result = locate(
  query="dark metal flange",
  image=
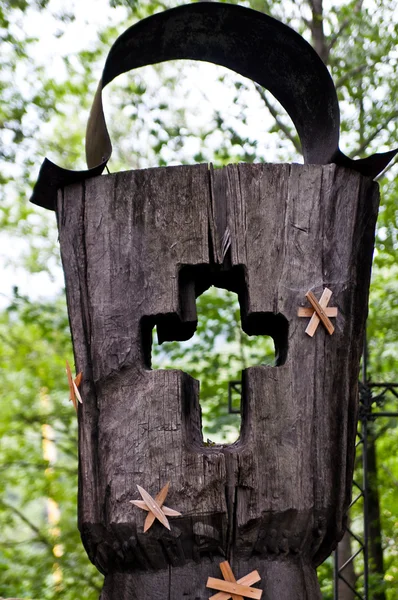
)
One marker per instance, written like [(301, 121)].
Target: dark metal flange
[(243, 40)]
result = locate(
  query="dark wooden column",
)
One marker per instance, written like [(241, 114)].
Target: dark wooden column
[(137, 247)]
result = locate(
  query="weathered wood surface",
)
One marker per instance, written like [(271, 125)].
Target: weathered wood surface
[(137, 247)]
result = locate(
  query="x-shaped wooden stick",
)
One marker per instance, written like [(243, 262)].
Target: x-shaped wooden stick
[(319, 312), (155, 507), (230, 588), (74, 394)]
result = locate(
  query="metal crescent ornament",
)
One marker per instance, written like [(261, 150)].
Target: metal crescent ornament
[(244, 40)]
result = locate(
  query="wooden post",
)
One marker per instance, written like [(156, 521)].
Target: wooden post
[(137, 247)]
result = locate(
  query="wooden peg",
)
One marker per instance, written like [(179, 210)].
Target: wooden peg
[(155, 507), (234, 588), (309, 312), (248, 579), (230, 588), (319, 308), (74, 393), (229, 576), (320, 312)]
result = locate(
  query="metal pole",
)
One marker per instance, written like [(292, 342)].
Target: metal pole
[(365, 506), (336, 574), (365, 360), (384, 414), (364, 426)]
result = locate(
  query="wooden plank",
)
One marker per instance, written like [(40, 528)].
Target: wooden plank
[(315, 320), (248, 579), (309, 312), (226, 586), (169, 512), (229, 576), (319, 308), (77, 393), (160, 498), (154, 508), (72, 391)]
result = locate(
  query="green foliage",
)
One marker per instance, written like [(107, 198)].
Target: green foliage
[(325, 577), (37, 421), (217, 354)]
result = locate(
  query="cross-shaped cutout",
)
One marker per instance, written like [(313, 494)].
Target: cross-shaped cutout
[(155, 507), (230, 588), (319, 312)]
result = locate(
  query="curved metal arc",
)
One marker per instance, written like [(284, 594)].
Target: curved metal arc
[(250, 43), (246, 41)]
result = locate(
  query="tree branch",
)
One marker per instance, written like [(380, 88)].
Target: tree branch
[(40, 466), (351, 73), (285, 130), (9, 544), (373, 135), (39, 535), (318, 31), (94, 585), (333, 38), (41, 538), (390, 474), (67, 451)]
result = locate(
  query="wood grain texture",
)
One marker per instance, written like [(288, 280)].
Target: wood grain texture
[(137, 248)]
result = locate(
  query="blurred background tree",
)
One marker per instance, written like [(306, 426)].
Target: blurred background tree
[(179, 112)]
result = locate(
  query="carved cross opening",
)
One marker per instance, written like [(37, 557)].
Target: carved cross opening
[(265, 324)]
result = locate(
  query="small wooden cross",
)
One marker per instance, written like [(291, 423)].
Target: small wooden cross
[(230, 588), (155, 507), (319, 312), (74, 394)]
